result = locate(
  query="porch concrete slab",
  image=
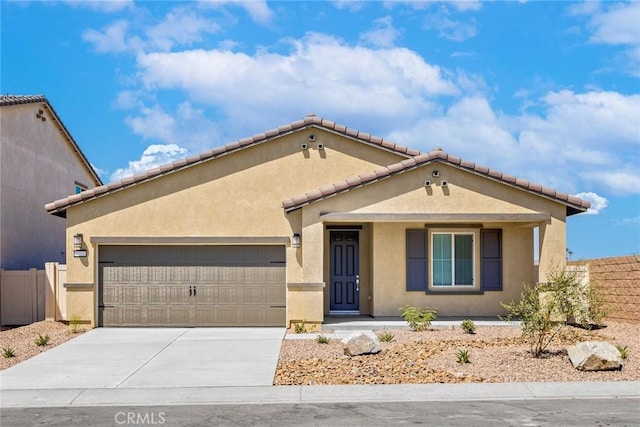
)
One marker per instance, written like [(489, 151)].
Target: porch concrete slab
[(335, 324)]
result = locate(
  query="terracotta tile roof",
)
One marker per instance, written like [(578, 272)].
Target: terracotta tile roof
[(59, 207), (7, 100), (574, 204), (21, 99)]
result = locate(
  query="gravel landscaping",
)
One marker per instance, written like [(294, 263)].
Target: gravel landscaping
[(22, 340), (496, 354)]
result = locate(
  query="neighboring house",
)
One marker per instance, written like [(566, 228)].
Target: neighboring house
[(303, 221), (39, 162)]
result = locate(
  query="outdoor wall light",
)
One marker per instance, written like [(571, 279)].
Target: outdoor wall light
[(77, 241), (296, 240)]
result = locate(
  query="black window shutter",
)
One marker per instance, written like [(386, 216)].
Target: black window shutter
[(417, 260), (491, 260)]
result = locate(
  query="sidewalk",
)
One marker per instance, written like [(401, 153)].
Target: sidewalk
[(318, 394)]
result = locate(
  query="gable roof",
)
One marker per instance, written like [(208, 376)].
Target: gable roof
[(574, 204), (8, 100), (59, 207)]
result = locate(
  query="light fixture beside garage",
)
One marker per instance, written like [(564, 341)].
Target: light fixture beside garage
[(77, 241), (296, 240), (78, 252)]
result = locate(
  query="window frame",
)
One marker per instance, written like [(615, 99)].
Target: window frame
[(475, 261), (80, 186)]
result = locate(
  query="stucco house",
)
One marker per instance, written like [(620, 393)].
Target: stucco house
[(39, 162), (304, 221)]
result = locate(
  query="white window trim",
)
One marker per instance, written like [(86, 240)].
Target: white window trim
[(475, 262)]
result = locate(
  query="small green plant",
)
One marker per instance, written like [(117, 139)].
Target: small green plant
[(418, 318), (41, 341), (322, 339), (74, 323), (300, 327), (543, 310), (8, 352), (468, 326), (386, 336), (463, 356), (624, 351)]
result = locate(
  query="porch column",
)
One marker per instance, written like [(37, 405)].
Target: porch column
[(553, 246)]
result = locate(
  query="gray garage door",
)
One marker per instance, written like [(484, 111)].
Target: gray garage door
[(192, 286)]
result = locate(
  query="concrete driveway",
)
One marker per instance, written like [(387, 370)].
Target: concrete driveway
[(153, 358)]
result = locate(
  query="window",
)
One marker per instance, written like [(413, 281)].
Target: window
[(80, 187), (452, 259)]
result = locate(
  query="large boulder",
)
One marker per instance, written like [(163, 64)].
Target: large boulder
[(595, 356), (359, 343)]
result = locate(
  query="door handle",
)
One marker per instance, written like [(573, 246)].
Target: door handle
[(194, 291), (357, 283), (190, 291)]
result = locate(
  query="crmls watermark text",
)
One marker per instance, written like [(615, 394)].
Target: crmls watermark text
[(140, 418)]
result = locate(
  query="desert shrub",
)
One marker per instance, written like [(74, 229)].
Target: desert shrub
[(74, 323), (468, 326), (8, 352), (386, 336), (418, 318), (463, 356), (300, 327), (41, 341), (624, 351), (322, 339), (565, 297)]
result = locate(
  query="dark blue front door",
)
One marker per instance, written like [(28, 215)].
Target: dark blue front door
[(345, 276)]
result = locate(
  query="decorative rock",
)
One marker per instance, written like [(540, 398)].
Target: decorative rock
[(595, 356), (359, 343)]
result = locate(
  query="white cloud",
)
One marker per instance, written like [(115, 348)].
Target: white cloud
[(458, 5), (598, 203), (616, 24), (620, 24), (350, 5), (107, 6), (383, 34), (154, 123), (152, 157), (319, 74), (631, 221), (187, 126), (258, 10), (180, 27), (579, 140), (450, 29), (113, 38)]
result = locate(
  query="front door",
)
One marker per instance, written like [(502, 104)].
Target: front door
[(345, 274)]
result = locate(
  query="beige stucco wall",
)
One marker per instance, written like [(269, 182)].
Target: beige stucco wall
[(465, 193), (239, 194), (37, 166)]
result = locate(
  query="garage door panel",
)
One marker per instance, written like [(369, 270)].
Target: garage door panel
[(192, 285), (157, 294)]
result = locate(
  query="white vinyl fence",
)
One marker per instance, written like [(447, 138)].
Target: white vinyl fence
[(29, 296)]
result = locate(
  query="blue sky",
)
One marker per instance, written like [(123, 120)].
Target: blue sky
[(546, 91)]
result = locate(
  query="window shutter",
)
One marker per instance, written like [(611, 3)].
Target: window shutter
[(491, 260), (416, 260)]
